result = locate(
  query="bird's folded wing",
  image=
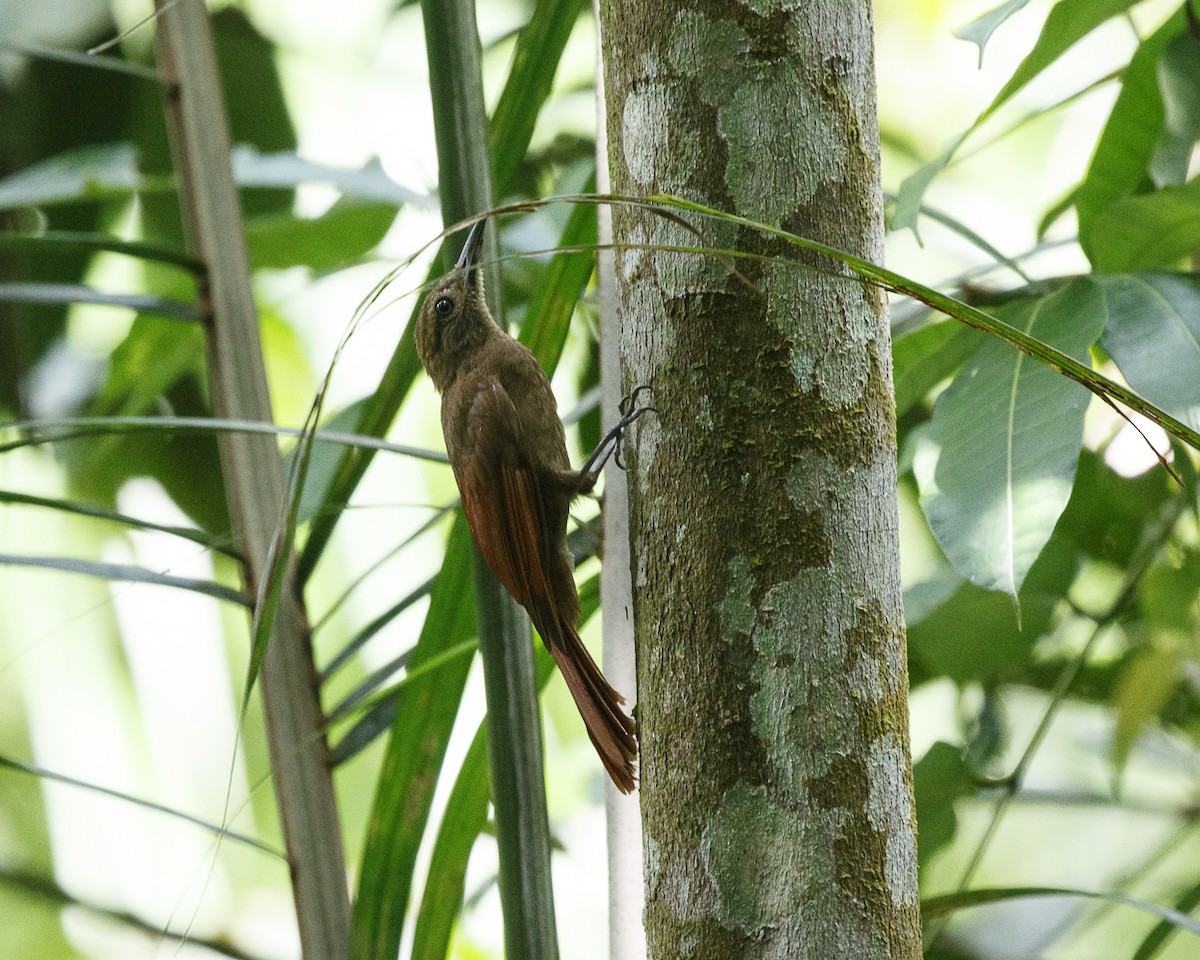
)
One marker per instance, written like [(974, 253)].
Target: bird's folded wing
[(502, 499)]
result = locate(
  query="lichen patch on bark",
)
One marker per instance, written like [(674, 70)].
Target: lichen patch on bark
[(889, 808), (755, 851), (761, 107)]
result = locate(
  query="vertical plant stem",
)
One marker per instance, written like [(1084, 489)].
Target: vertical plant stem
[(626, 900), (513, 723), (253, 474)]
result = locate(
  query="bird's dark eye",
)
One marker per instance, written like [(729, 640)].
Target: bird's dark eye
[(444, 306)]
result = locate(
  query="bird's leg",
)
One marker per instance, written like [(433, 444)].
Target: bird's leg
[(589, 473)]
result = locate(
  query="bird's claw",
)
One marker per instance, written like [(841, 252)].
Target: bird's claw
[(629, 411), (610, 446)]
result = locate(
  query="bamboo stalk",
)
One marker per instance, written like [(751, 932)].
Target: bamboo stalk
[(253, 473), (513, 722)]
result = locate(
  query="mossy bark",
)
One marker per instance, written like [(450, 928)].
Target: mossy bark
[(776, 782)]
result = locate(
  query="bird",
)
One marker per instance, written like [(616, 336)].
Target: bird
[(508, 451)]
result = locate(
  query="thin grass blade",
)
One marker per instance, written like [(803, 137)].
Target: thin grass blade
[(127, 573)]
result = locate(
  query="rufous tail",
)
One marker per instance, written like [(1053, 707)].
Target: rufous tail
[(612, 732)]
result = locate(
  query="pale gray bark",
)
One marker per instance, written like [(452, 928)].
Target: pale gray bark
[(775, 778)]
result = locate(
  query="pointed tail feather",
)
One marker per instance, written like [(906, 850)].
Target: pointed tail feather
[(612, 732)]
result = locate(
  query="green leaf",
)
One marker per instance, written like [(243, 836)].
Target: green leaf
[(548, 319), (345, 233), (996, 647), (1143, 689), (110, 170), (980, 30), (40, 888), (128, 574), (975, 239), (72, 241), (925, 357), (67, 428), (86, 173), (206, 540), (1108, 515), (463, 821), (156, 367), (1148, 230), (949, 903), (910, 198), (1153, 335), (939, 779), (426, 713), (367, 632), (286, 170), (1068, 22), (466, 814), (87, 60), (538, 50), (379, 711), (1157, 939), (43, 774), (1169, 593), (70, 294), (1007, 434), (1120, 164), (1179, 84)]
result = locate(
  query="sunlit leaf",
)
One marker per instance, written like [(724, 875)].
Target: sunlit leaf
[(1120, 164), (1158, 938), (345, 233), (562, 284), (980, 30), (85, 173), (953, 902), (1153, 335), (464, 819), (86, 60), (43, 774), (1068, 22), (111, 171), (536, 56), (44, 889), (201, 537), (69, 294), (287, 170), (126, 573), (1007, 434), (466, 814)]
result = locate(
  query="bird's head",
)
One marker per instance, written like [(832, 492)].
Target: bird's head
[(454, 317)]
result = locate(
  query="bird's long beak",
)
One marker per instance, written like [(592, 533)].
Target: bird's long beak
[(470, 250)]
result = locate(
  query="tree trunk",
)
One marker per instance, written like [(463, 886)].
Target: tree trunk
[(775, 779)]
